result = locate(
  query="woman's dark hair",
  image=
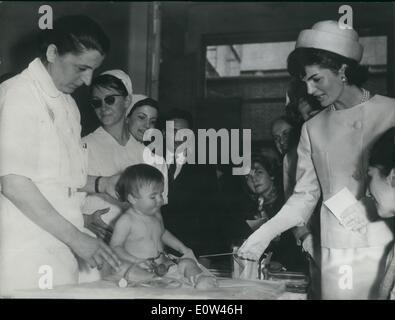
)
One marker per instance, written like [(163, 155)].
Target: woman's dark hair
[(74, 34), (110, 82), (283, 118), (267, 163), (382, 155), (144, 102), (267, 149), (302, 57), (134, 178), (297, 91), (176, 113)]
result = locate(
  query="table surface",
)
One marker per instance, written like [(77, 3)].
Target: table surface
[(229, 289)]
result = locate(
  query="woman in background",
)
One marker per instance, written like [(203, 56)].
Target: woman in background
[(260, 200), (382, 190), (283, 134)]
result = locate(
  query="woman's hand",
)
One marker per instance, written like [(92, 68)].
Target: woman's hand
[(255, 245), (354, 218), (108, 185), (94, 251), (94, 223)]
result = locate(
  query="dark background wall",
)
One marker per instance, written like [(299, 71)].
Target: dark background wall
[(19, 24), (127, 25), (188, 27)]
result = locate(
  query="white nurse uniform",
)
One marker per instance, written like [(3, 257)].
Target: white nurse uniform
[(39, 139)]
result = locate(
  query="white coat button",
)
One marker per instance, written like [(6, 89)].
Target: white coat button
[(357, 125)]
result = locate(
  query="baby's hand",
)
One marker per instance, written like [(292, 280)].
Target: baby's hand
[(188, 253), (146, 264)]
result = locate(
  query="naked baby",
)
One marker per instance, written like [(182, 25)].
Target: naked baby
[(139, 235)]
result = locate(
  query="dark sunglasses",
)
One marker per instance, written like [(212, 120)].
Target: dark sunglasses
[(109, 100)]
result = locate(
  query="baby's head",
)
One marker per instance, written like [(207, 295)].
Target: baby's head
[(142, 186)]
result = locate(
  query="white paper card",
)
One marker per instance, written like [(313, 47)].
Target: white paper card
[(340, 202)]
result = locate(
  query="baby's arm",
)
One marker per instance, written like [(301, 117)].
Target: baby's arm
[(171, 241), (122, 229)]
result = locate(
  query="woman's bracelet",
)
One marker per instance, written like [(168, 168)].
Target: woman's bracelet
[(97, 181)]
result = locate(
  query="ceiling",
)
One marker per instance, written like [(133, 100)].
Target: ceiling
[(365, 13)]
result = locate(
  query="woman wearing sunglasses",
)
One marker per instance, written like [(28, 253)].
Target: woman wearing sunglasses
[(117, 143)]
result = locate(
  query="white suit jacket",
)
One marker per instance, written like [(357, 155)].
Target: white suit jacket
[(333, 153)]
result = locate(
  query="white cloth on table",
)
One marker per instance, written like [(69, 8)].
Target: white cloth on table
[(39, 139)]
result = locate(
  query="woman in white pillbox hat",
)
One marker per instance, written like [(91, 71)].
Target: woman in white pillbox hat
[(112, 148), (332, 155)]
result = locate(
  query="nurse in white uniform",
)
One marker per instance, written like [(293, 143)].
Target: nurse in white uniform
[(43, 164)]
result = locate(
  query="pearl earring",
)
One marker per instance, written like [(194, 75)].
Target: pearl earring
[(343, 78)]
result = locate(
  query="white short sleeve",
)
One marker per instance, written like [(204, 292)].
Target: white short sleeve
[(19, 132)]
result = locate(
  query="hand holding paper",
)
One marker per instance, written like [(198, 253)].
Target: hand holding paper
[(354, 218), (349, 211)]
